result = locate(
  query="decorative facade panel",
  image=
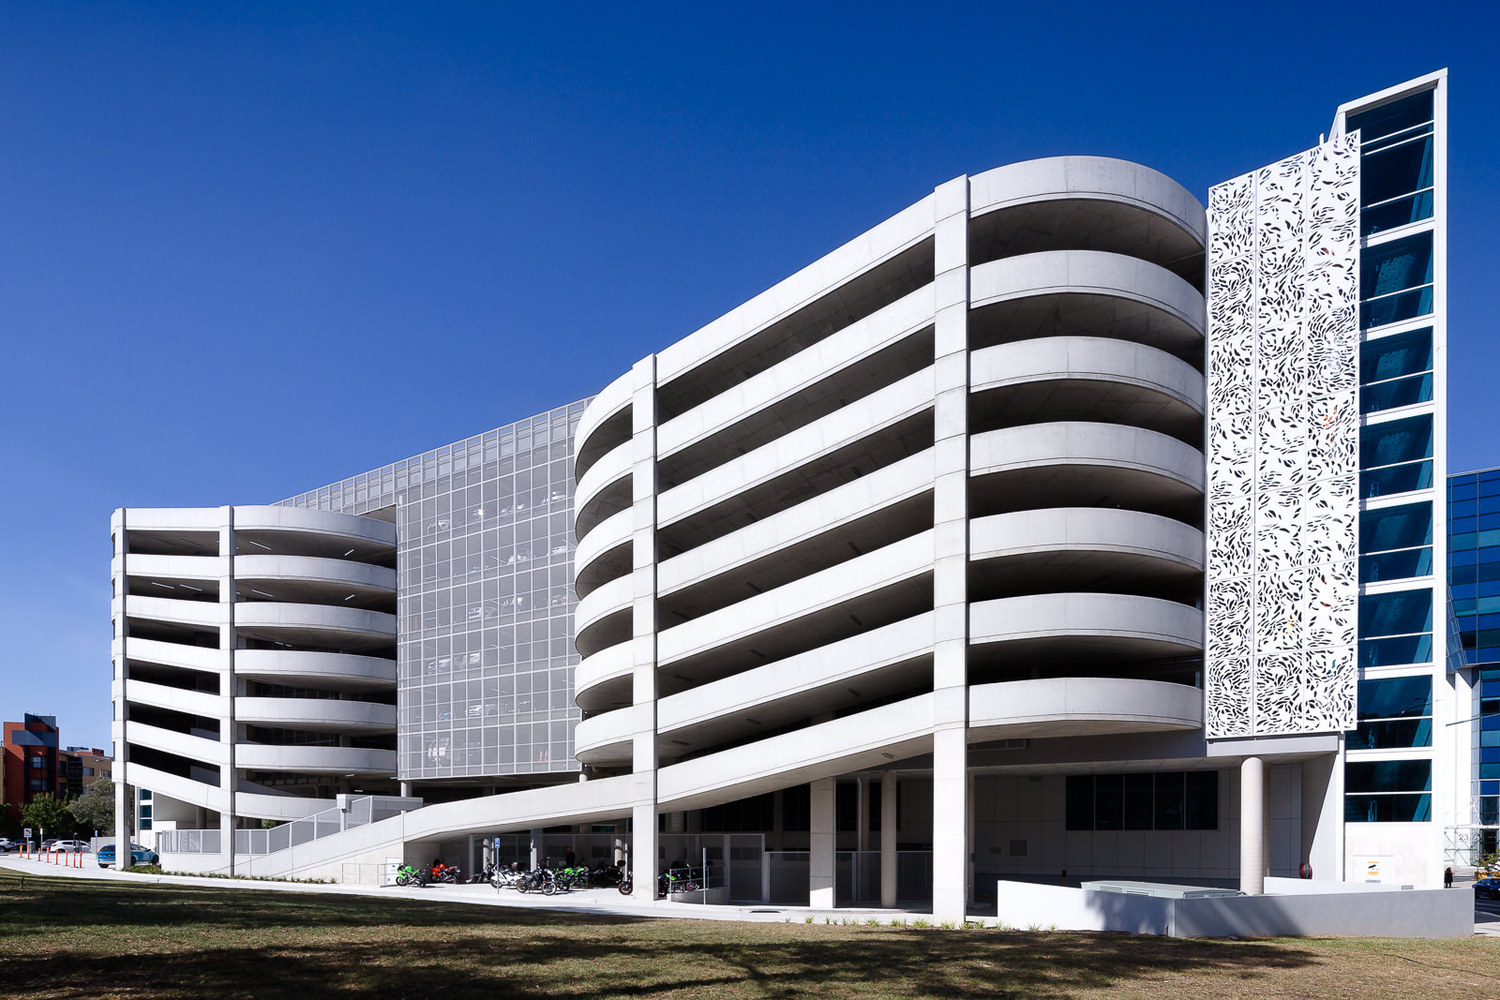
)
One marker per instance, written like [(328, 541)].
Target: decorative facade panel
[(1283, 446)]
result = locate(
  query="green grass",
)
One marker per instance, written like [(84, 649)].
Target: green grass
[(73, 938)]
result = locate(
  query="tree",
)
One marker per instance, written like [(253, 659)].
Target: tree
[(47, 812), (95, 808)]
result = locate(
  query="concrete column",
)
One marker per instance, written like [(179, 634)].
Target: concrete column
[(121, 767), (1252, 827), (1322, 817), (950, 550), (888, 822), (229, 686), (536, 849), (822, 845), (644, 756)]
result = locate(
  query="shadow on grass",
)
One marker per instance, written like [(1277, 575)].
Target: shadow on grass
[(77, 940)]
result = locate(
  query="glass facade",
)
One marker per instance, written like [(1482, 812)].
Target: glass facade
[(1396, 371), (1170, 800), (1397, 162), (484, 535), (1474, 595), (1400, 466)]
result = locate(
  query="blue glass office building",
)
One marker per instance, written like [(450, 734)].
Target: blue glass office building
[(1474, 592)]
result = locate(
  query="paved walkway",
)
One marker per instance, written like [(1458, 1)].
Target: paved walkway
[(597, 901)]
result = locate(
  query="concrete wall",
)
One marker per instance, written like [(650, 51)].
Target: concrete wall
[(1020, 830), (1321, 908)]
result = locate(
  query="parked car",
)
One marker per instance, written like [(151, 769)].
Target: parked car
[(138, 855), (70, 845), (6, 844), (1487, 888)]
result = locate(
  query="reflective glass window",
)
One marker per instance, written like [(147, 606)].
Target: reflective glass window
[(1391, 734), (1396, 280), (1388, 776), (1168, 801), (1398, 118), (1201, 800), (1139, 812), (1078, 802), (1109, 801), (1397, 212), (1400, 613), (1396, 170), (1400, 565), (1395, 371), (1395, 479), (1403, 527), (1388, 808), (1396, 651), (1395, 697), (1398, 392), (1395, 441)]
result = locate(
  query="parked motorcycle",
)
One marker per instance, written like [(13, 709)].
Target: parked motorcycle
[(506, 876), (446, 873), (543, 880), (411, 875)]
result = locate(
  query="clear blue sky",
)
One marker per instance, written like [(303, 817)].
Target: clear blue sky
[(249, 249)]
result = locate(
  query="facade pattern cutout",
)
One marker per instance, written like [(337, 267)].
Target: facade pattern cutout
[(1283, 446)]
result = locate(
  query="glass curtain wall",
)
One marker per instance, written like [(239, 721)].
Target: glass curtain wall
[(1398, 461), (1474, 591), (484, 531)]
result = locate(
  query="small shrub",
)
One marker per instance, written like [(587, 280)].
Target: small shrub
[(948, 925), (872, 922), (921, 922)]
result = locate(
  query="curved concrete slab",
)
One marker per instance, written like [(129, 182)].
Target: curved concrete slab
[(1090, 178), (1147, 623), (1080, 706), (315, 760), (1087, 272), (1087, 359), (294, 667), (603, 677)]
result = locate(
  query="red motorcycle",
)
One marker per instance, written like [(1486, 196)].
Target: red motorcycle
[(445, 873)]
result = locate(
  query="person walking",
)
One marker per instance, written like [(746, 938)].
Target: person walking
[(1447, 878)]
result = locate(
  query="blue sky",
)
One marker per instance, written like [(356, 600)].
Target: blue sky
[(246, 250)]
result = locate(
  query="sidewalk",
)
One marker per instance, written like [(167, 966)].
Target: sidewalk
[(607, 902)]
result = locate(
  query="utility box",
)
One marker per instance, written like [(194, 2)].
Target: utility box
[(1160, 890)]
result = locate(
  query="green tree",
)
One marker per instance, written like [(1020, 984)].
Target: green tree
[(47, 812), (94, 810)]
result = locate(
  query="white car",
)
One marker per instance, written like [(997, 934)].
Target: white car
[(6, 844), (70, 845)]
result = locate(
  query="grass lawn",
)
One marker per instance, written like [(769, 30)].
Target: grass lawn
[(67, 938)]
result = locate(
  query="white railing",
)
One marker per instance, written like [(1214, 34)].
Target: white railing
[(359, 812)]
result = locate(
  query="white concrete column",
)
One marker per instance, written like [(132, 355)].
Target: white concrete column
[(888, 822), (228, 684), (644, 757), (950, 855), (1252, 827), (121, 767), (822, 845), (536, 848)]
